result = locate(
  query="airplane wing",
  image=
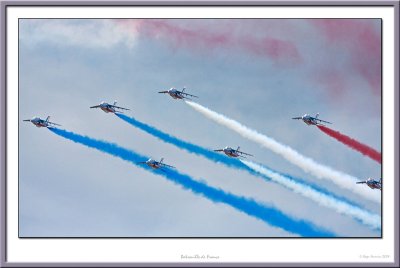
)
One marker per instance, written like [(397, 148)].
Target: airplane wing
[(186, 94), (244, 153), (54, 124), (27, 120), (361, 182), (140, 162), (162, 91), (119, 107), (96, 106), (323, 121), (219, 150), (165, 165), (297, 118)]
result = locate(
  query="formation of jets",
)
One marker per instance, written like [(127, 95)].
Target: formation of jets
[(41, 122), (176, 94), (309, 120), (373, 184), (229, 151), (232, 152), (109, 108)]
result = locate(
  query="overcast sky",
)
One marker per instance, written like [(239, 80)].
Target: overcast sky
[(258, 72)]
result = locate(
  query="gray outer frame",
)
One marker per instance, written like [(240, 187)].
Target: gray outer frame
[(3, 137)]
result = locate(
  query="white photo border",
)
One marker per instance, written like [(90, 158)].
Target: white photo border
[(142, 251)]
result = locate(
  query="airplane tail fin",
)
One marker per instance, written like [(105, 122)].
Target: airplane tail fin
[(183, 90), (47, 119), (115, 103), (316, 116), (162, 159), (238, 148)]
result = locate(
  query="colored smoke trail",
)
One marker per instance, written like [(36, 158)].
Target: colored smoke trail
[(307, 164), (187, 146), (324, 199), (248, 206), (352, 143), (362, 41), (206, 39), (339, 206)]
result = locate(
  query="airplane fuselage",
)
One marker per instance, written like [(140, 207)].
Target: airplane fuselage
[(107, 108), (374, 184), (39, 122), (153, 164), (309, 120), (175, 94), (230, 152)]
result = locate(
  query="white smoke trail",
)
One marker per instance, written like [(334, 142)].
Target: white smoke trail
[(307, 164), (339, 206)]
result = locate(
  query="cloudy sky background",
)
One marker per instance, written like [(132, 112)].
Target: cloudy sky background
[(258, 72)]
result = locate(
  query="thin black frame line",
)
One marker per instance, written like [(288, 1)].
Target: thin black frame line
[(229, 237), (195, 237)]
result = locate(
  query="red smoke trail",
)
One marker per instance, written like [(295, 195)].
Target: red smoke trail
[(206, 39), (360, 37), (362, 148)]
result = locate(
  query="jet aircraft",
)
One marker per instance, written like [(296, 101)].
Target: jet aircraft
[(176, 94), (109, 108), (41, 122), (232, 152), (309, 120), (373, 184), (155, 164)]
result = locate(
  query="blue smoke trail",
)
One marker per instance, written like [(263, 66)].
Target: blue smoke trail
[(189, 147), (220, 158), (315, 193), (248, 206)]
